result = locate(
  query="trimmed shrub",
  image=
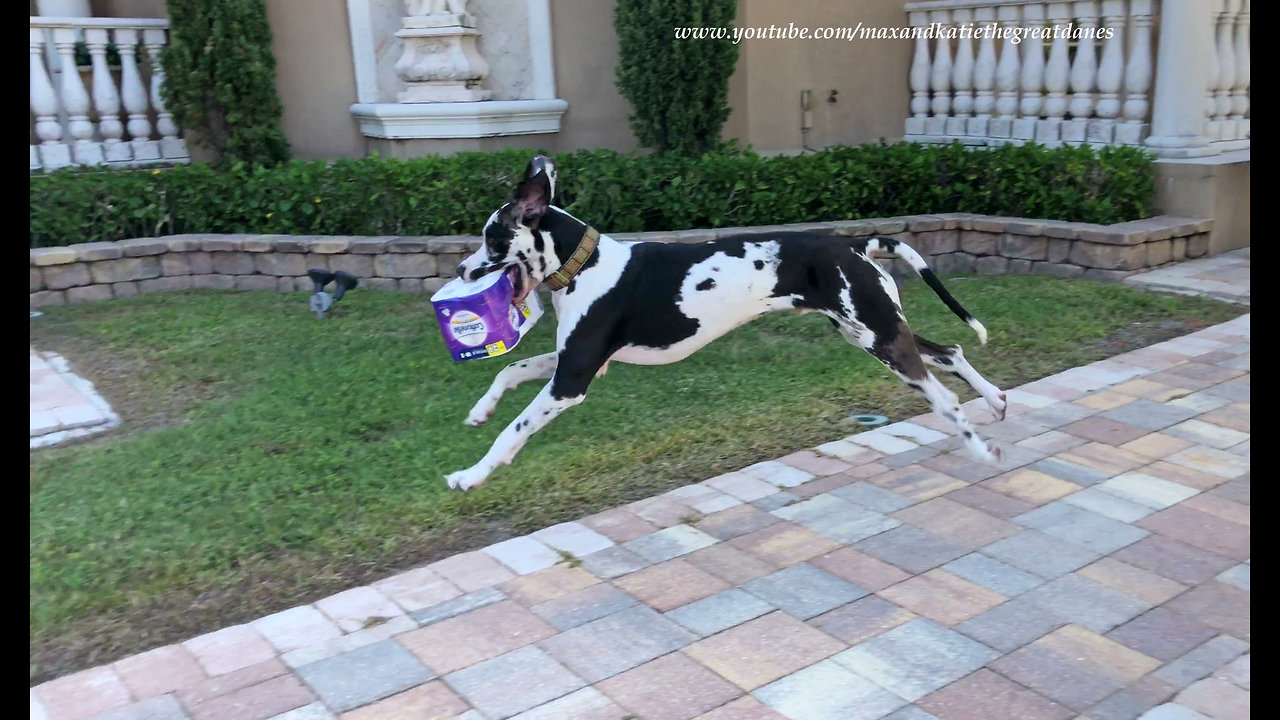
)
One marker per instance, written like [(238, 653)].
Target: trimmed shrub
[(617, 193), (678, 89), (220, 78)]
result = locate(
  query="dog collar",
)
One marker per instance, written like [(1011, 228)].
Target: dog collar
[(560, 278)]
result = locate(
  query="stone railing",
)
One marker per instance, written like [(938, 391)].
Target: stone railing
[(1053, 88), (119, 118), (952, 243)]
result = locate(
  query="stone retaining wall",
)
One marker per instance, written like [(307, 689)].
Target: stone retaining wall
[(952, 243)]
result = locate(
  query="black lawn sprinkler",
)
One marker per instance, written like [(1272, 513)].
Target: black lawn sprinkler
[(321, 301)]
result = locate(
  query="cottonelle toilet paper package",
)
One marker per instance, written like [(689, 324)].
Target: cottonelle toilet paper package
[(478, 320)]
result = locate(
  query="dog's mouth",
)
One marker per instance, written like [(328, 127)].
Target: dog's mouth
[(519, 283)]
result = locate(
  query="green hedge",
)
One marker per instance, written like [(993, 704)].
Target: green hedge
[(616, 193)]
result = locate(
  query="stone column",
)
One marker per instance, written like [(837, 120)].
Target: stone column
[(440, 62), (1178, 115)]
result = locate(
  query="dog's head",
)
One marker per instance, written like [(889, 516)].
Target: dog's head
[(512, 241)]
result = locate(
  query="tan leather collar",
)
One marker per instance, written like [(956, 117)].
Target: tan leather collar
[(560, 278)]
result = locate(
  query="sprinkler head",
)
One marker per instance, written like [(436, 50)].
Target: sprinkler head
[(320, 278), (346, 281)]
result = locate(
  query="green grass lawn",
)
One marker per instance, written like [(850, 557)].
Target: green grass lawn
[(268, 458)]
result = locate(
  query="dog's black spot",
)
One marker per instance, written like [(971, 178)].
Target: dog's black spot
[(542, 265), (967, 434), (733, 247), (706, 284), (715, 269), (520, 254), (538, 243), (497, 236), (759, 264), (546, 412), (942, 360)]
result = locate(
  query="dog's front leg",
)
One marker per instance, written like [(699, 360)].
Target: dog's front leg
[(541, 411), (538, 366), (574, 370)]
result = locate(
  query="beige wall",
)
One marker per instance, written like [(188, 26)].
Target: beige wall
[(586, 52), (870, 76), (1215, 188), (764, 91), (315, 77), (128, 8)]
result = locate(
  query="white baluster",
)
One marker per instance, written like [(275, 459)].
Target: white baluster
[(106, 99), (135, 97), (51, 154), (984, 72), (1084, 73), (1032, 80), (1110, 74), (171, 146), (1057, 73), (1178, 105), (962, 74), (919, 77), (1240, 90), (940, 77), (1137, 77), (1212, 129), (75, 99), (1006, 75), (1226, 70)]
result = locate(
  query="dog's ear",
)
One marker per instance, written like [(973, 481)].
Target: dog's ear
[(543, 164), (532, 197)]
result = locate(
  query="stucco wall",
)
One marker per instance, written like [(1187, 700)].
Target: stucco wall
[(315, 77), (316, 80), (1216, 187), (128, 8), (764, 91), (586, 52), (870, 76)]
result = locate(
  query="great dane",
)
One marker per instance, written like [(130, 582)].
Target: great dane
[(652, 303)]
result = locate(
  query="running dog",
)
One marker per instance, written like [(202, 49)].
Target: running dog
[(650, 303)]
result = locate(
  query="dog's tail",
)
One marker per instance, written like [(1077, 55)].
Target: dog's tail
[(904, 251)]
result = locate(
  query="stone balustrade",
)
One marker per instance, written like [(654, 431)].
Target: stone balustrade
[(119, 118), (951, 242), (1073, 82)]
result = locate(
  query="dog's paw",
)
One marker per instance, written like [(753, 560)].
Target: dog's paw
[(985, 451), (478, 416), (464, 479), (999, 407)]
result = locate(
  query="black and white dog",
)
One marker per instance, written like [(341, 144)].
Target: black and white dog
[(650, 303)]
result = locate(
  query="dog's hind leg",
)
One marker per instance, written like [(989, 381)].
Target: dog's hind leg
[(951, 358), (901, 356), (538, 366)]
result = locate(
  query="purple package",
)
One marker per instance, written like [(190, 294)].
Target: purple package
[(478, 319)]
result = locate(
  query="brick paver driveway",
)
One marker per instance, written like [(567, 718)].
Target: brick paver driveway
[(1101, 571)]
